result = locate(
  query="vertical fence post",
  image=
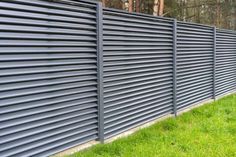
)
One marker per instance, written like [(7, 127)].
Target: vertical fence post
[(100, 71), (175, 66), (214, 63)]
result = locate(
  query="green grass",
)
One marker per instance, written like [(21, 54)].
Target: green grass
[(208, 131)]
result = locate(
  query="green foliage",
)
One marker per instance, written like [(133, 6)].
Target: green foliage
[(209, 131)]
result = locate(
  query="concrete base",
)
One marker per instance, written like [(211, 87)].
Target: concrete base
[(131, 131), (191, 107), (76, 149)]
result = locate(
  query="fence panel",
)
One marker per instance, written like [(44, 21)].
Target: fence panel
[(225, 62), (194, 64), (48, 72), (138, 58)]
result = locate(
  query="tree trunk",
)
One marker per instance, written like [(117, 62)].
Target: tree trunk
[(137, 6), (184, 10), (104, 3), (130, 6), (161, 7), (218, 13), (156, 7)]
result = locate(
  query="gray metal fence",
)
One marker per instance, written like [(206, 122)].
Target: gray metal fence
[(48, 76), (138, 59), (195, 45), (73, 72), (225, 61)]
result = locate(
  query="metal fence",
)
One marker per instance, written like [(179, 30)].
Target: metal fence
[(195, 64), (72, 72)]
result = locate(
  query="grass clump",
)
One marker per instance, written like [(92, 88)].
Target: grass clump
[(208, 131)]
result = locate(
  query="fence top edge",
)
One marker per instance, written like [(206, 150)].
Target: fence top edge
[(138, 14), (84, 1), (196, 24), (226, 30), (76, 2)]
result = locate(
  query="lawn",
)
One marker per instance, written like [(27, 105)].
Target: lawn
[(208, 131)]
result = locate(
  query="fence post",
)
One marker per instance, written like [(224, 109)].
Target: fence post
[(100, 71), (175, 66), (214, 63)]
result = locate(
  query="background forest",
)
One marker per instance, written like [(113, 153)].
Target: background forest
[(221, 13)]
